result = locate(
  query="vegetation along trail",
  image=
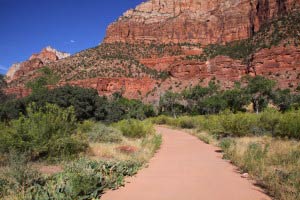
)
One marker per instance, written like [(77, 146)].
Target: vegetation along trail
[(186, 168)]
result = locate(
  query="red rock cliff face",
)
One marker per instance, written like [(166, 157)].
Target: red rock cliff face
[(279, 63), (35, 62), (263, 10), (195, 21)]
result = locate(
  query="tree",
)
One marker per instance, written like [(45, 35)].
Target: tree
[(170, 104), (236, 99), (283, 99), (260, 89), (119, 108), (211, 105), (11, 109), (83, 100), (194, 96)]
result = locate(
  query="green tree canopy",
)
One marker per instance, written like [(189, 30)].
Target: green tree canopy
[(260, 89), (170, 103)]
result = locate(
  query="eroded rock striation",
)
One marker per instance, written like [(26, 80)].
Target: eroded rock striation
[(195, 21)]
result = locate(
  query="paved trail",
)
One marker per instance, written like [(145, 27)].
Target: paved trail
[(186, 169)]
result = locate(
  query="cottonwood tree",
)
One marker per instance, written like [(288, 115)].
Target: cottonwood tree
[(170, 104), (236, 98), (260, 89)]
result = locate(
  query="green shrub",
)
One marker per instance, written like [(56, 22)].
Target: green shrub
[(210, 123), (240, 124), (102, 133), (226, 143), (162, 119), (274, 163), (18, 175), (269, 121), (66, 147), (254, 158), (47, 132), (228, 146), (85, 126), (187, 122), (289, 125), (135, 128)]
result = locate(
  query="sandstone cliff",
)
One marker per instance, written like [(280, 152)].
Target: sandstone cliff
[(35, 61), (196, 21)]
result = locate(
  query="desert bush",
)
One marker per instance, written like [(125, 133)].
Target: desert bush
[(254, 157), (103, 133), (274, 163), (85, 126), (289, 125), (135, 128), (269, 121), (47, 132), (205, 123), (210, 123), (162, 119), (18, 175), (187, 122), (240, 124), (84, 179), (66, 147), (226, 143), (81, 179)]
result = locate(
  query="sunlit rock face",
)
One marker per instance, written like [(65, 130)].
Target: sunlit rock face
[(195, 21), (35, 61)]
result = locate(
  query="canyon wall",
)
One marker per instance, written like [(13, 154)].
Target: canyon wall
[(195, 21)]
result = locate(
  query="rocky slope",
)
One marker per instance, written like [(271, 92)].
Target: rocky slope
[(174, 44), (35, 61)]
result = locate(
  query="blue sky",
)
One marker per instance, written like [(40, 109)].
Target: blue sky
[(27, 26)]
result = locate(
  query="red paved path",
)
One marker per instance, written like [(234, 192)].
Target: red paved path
[(186, 169)]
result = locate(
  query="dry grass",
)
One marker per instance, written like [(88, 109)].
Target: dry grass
[(145, 147), (274, 163), (144, 150), (204, 136)]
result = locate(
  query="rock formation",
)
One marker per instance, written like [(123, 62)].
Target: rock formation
[(174, 44), (35, 61), (195, 21)]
